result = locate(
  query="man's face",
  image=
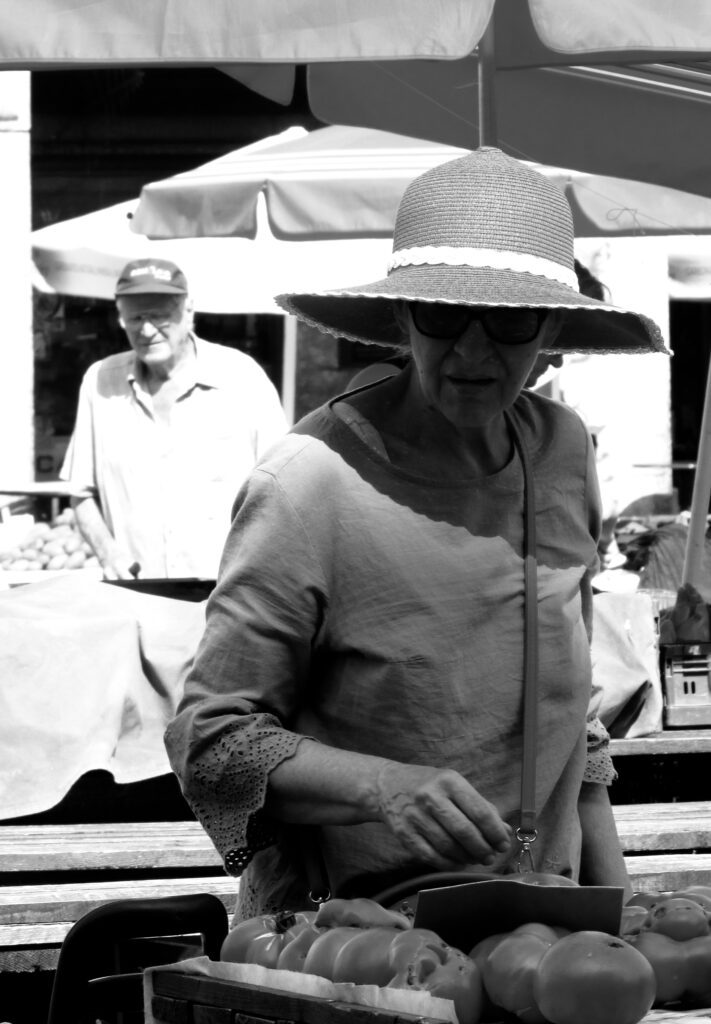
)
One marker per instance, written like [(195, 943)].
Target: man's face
[(157, 326)]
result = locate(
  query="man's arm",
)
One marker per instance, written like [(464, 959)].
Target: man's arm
[(115, 562), (602, 862)]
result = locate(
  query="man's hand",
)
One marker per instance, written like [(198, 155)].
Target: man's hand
[(439, 817), (117, 565), (113, 559)]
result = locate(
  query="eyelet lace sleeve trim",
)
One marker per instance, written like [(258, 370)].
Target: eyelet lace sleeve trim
[(599, 767), (228, 786)]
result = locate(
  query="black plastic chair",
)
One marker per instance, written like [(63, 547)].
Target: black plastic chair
[(89, 982)]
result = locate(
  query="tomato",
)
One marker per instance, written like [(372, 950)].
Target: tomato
[(260, 940), (682, 968), (424, 962), (700, 894), (541, 878), (321, 956), (458, 979), (648, 900), (590, 977), (479, 954), (548, 932), (668, 961), (697, 954), (509, 969), (411, 958), (678, 918), (293, 954), (359, 913)]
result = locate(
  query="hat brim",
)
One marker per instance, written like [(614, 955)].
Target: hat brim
[(150, 288), (364, 313)]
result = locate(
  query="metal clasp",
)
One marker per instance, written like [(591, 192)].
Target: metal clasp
[(525, 860), (320, 896)]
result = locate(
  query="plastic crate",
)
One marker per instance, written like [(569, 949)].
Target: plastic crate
[(186, 998), (686, 670)]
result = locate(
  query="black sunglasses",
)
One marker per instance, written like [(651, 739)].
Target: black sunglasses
[(504, 325)]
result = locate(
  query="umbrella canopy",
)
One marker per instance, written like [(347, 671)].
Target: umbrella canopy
[(346, 182), (562, 82), (84, 256)]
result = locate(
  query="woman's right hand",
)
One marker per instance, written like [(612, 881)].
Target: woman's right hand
[(439, 817)]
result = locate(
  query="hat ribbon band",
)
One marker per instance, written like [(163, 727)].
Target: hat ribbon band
[(494, 259)]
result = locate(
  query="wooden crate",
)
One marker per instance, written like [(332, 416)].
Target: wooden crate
[(188, 999)]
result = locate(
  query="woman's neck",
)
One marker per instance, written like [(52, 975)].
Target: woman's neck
[(421, 440)]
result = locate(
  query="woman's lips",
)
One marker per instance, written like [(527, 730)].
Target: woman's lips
[(468, 382)]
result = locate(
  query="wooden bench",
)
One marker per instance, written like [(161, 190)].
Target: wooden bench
[(668, 742), (659, 841), (666, 846), (36, 914)]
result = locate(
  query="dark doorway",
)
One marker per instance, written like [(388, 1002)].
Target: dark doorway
[(690, 333)]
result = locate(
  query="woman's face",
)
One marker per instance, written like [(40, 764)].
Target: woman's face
[(471, 379)]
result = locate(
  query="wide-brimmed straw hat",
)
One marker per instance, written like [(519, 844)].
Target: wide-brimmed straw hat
[(481, 230)]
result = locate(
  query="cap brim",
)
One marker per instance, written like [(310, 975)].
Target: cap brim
[(152, 288), (364, 313)]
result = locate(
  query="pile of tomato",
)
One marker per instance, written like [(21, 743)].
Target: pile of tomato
[(539, 973)]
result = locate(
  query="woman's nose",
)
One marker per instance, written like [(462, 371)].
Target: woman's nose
[(473, 341)]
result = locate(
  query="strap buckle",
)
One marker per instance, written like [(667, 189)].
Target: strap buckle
[(526, 838), (319, 896)]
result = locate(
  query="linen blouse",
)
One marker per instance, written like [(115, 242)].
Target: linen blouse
[(376, 610)]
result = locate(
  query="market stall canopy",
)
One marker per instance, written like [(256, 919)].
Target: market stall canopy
[(346, 182), (562, 82)]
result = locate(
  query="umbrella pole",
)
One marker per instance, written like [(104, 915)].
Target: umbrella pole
[(486, 67), (695, 542)]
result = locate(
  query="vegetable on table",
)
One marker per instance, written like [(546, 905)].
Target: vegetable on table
[(360, 942), (675, 937), (590, 977)]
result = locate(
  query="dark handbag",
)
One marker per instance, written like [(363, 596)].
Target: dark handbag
[(405, 893)]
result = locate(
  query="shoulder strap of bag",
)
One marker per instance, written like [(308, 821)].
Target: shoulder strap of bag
[(527, 832)]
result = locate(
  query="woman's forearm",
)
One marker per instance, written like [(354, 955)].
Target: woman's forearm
[(602, 862), (434, 812), (321, 785)]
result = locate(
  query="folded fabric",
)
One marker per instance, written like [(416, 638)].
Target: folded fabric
[(90, 675), (625, 657)]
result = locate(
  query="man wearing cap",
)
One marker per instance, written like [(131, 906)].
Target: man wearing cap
[(165, 434)]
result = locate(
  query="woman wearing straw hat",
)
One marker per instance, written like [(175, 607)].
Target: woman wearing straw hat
[(408, 564)]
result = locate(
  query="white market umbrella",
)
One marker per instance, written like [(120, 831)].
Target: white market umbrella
[(83, 256), (346, 182)]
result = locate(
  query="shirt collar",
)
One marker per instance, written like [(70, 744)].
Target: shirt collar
[(206, 373)]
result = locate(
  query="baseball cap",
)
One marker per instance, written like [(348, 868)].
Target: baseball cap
[(151, 277)]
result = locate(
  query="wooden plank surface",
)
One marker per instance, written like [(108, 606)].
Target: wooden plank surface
[(51, 904), (669, 826), (118, 846), (670, 741), (668, 872)]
